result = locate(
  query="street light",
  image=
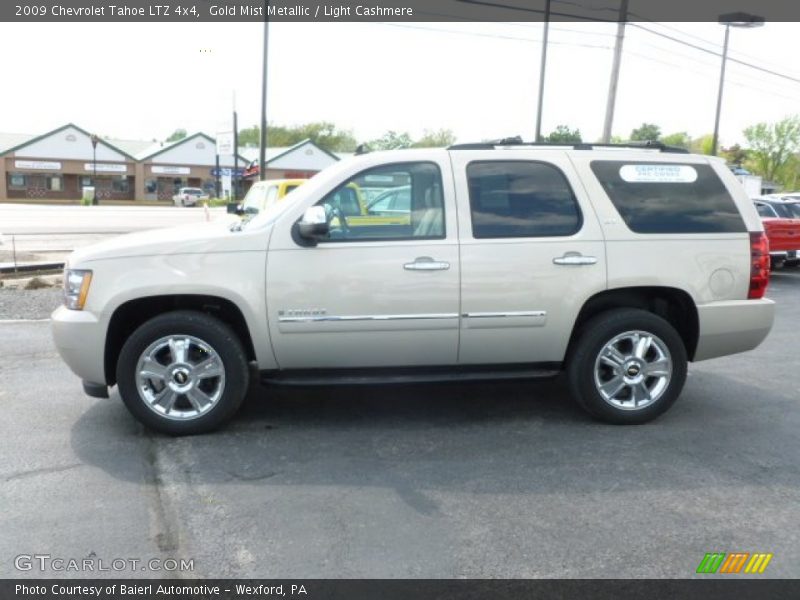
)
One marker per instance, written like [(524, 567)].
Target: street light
[(736, 19), (95, 139)]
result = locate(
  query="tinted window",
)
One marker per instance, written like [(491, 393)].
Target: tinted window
[(669, 197), (794, 209), (764, 210), (415, 186), (520, 199), (784, 211)]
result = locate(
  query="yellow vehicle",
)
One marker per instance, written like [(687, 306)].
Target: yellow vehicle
[(264, 194), (391, 207)]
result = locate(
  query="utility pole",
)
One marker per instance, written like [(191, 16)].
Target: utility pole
[(541, 72), (719, 93), (235, 179), (612, 84), (262, 155)]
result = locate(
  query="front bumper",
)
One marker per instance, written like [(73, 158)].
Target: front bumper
[(733, 326), (80, 340)]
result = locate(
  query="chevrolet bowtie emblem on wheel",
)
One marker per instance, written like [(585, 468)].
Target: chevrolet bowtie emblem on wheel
[(735, 562)]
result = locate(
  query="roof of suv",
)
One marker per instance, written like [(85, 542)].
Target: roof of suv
[(516, 142)]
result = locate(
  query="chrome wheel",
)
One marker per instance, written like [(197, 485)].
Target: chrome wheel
[(633, 370), (180, 377)]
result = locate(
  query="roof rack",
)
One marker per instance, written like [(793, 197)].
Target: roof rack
[(517, 141)]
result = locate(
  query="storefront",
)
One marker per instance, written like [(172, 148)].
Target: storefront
[(59, 164)]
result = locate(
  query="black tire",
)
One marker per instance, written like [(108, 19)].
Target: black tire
[(594, 336), (215, 334)]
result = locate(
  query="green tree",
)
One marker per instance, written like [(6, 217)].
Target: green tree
[(324, 134), (680, 139), (735, 155), (391, 140), (435, 139), (703, 144), (177, 135), (772, 148), (647, 131), (250, 136), (564, 135)]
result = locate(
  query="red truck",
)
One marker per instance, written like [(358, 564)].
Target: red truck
[(781, 218)]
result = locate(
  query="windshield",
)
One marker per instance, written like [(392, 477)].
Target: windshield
[(259, 198), (193, 191)]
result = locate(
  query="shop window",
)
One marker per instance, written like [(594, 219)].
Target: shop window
[(17, 181), (120, 184), (54, 183)]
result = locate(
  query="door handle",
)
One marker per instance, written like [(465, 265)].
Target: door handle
[(426, 263), (575, 258)]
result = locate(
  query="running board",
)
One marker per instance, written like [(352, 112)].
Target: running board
[(314, 377)]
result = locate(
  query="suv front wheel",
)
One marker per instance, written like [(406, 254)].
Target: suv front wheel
[(628, 366), (183, 372)]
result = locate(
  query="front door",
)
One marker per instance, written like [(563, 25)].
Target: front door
[(381, 291)]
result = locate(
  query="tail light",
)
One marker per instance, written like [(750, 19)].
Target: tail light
[(759, 265)]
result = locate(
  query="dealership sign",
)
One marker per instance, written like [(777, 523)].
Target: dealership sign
[(38, 165), (225, 143), (105, 168), (171, 170)]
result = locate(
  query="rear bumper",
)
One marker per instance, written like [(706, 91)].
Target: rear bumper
[(733, 326)]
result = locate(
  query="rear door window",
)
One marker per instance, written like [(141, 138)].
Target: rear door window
[(669, 197), (511, 199)]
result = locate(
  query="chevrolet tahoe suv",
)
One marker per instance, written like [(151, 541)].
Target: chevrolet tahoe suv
[(617, 265)]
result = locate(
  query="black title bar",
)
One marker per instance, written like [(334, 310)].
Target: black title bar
[(169, 11)]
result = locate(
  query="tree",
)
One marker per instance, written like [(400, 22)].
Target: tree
[(564, 135), (702, 145), (772, 148), (324, 134), (391, 140), (177, 135), (680, 139), (435, 139), (647, 131), (250, 136), (735, 155)]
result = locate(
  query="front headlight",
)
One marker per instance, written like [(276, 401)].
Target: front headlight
[(76, 288)]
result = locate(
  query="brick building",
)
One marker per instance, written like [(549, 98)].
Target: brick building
[(57, 165)]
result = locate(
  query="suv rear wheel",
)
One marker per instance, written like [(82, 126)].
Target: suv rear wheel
[(628, 366), (183, 372)]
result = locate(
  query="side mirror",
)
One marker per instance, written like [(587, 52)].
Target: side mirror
[(234, 208), (314, 225)]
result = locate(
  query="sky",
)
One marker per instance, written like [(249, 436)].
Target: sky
[(143, 81)]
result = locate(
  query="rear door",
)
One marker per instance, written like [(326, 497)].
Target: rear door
[(532, 252)]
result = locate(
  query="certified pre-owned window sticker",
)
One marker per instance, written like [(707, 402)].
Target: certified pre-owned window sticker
[(664, 173)]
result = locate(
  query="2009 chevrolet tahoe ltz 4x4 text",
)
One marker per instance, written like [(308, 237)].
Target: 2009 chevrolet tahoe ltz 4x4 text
[(618, 265)]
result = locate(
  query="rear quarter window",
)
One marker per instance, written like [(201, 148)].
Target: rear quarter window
[(669, 197)]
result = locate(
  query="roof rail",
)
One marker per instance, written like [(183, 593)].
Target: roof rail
[(517, 141)]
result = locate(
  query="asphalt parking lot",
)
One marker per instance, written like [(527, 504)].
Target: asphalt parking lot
[(489, 480)]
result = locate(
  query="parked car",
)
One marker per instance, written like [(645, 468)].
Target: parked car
[(392, 202), (781, 218), (617, 265), (264, 194), (189, 196)]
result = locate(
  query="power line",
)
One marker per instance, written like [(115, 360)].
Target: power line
[(719, 54)]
